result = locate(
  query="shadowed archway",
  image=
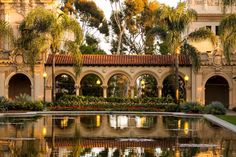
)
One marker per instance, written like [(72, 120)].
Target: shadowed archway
[(65, 85), (217, 89), (169, 85), (118, 86), (19, 84), (91, 85)]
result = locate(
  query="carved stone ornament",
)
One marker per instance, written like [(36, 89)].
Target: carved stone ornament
[(217, 58), (19, 59)]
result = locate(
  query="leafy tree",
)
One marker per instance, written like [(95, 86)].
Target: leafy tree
[(228, 35), (131, 23), (92, 19), (91, 46), (46, 30)]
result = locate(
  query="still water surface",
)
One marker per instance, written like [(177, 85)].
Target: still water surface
[(114, 136)]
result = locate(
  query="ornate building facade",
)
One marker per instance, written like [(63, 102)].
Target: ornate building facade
[(128, 76)]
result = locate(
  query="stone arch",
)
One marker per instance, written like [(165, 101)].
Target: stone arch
[(143, 73), (91, 85), (91, 72), (65, 84), (216, 88), (119, 85), (107, 78), (145, 84), (169, 89), (14, 88), (226, 77), (58, 72), (163, 77)]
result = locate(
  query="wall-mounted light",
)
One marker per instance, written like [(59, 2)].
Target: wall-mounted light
[(98, 82), (186, 78)]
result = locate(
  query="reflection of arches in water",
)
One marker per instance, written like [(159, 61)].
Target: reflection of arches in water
[(122, 121), (91, 85), (118, 86), (19, 84), (146, 86), (65, 85), (93, 121), (169, 85), (64, 122), (217, 89)]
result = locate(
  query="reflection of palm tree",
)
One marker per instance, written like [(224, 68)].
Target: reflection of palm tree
[(77, 145)]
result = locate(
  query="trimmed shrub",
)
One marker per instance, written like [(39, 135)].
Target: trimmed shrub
[(216, 108), (172, 108), (191, 107)]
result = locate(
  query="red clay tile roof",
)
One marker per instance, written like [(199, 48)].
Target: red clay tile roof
[(89, 143), (120, 60)]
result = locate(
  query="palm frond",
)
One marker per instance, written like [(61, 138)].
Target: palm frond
[(229, 46), (227, 26), (74, 49), (228, 35), (192, 53), (6, 30), (227, 3), (160, 31), (201, 34)]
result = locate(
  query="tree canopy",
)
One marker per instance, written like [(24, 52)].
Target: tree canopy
[(93, 22)]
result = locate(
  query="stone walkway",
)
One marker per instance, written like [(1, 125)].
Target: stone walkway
[(220, 122)]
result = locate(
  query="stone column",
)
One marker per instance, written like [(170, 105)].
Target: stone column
[(2, 85), (230, 98), (77, 89), (188, 91), (132, 91), (104, 91), (48, 96), (159, 91)]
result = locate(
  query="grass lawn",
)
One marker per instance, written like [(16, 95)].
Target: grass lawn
[(230, 119)]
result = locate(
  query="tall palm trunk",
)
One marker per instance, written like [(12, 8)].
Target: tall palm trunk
[(177, 78), (53, 77)]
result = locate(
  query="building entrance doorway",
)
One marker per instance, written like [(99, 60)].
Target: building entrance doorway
[(19, 84), (217, 89)]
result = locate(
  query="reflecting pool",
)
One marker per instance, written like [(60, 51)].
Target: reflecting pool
[(114, 136)]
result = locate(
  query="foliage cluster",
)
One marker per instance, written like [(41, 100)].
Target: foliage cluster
[(192, 107), (216, 108), (85, 103), (22, 102), (113, 103)]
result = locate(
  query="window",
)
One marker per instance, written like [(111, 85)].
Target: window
[(217, 30), (208, 27)]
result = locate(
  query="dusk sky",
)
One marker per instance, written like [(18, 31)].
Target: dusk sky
[(105, 5)]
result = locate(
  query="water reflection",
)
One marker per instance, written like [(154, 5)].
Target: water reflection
[(113, 136)]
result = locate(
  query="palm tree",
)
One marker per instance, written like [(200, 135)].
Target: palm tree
[(171, 25), (5, 30), (43, 29), (228, 35), (228, 3)]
